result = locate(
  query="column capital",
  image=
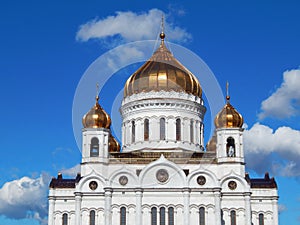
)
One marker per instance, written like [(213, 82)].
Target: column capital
[(108, 189), (78, 194), (51, 198), (247, 194), (217, 190), (138, 190), (275, 198), (186, 189)]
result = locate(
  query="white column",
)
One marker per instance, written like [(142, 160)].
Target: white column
[(186, 205), (138, 206), (51, 210), (101, 144), (130, 133), (217, 195), (171, 129), (139, 128), (123, 133), (201, 134), (154, 133), (167, 128), (186, 130), (107, 209), (275, 211), (197, 132), (78, 199), (247, 209)]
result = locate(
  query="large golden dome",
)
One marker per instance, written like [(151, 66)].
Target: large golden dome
[(162, 72), (96, 117), (228, 117)]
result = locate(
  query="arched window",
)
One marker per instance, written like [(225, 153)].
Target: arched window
[(65, 219), (146, 130), (92, 217), (162, 216), (192, 131), (123, 216), (202, 216), (153, 216), (162, 126), (132, 132), (178, 130), (232, 217), (230, 147), (171, 216), (261, 219), (94, 149)]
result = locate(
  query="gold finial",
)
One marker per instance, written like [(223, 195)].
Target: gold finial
[(162, 34), (97, 91), (227, 91)]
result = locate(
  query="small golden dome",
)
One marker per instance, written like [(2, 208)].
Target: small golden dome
[(113, 145), (211, 145), (96, 117), (162, 72), (228, 117)]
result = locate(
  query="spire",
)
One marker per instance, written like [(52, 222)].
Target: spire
[(162, 34), (97, 92), (227, 92)]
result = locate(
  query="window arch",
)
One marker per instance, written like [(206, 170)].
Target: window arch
[(230, 147), (192, 131), (162, 127), (162, 216), (146, 130), (232, 217), (261, 219), (153, 216), (92, 217), (123, 216), (178, 129), (171, 216), (94, 149), (202, 216), (65, 219), (132, 132)]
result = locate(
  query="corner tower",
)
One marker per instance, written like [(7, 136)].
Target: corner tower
[(162, 109), (97, 140), (229, 134)]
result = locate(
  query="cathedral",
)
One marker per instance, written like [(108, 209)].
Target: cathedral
[(163, 173)]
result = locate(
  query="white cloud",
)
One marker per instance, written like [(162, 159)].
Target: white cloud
[(71, 172), (261, 141), (285, 101), (131, 26), (123, 56), (281, 208), (25, 198)]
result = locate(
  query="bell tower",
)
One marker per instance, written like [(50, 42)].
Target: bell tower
[(97, 140), (229, 134)]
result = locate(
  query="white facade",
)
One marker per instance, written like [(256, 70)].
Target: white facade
[(163, 175)]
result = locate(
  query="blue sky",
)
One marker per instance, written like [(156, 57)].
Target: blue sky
[(46, 47)]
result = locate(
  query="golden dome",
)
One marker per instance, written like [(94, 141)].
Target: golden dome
[(162, 72), (211, 145), (113, 145), (96, 117), (228, 117)]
